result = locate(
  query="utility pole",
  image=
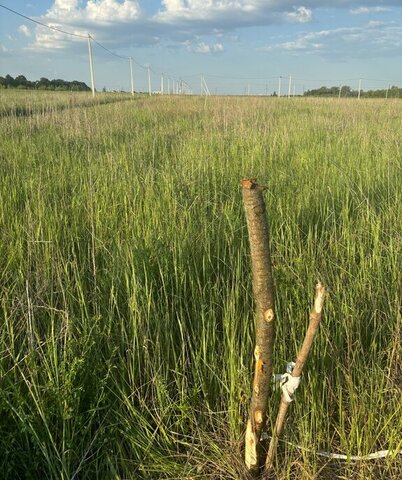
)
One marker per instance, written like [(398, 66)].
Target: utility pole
[(168, 85), (205, 88), (91, 65), (149, 82), (132, 76), (162, 84), (290, 86), (266, 89), (279, 87), (360, 87), (340, 91)]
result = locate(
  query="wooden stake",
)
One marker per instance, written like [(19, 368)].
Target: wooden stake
[(315, 318), (263, 289)]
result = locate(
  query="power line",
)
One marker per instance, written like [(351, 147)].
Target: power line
[(138, 64), (109, 51), (43, 24), (233, 78), (70, 33), (238, 78)]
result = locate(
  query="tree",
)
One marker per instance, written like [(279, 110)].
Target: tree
[(9, 81), (21, 80), (43, 82)]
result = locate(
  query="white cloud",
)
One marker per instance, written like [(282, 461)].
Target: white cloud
[(375, 23), (233, 13), (50, 40), (203, 6), (300, 15), (366, 10), (112, 11), (203, 47), (242, 12), (104, 11), (24, 30), (373, 39), (122, 23), (104, 18)]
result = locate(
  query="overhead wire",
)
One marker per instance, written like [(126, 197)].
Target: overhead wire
[(56, 29), (107, 50), (180, 79), (84, 36)]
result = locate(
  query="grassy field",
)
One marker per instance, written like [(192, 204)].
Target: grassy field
[(126, 306), (24, 103)]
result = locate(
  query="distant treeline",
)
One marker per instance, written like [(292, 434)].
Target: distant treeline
[(346, 91), (21, 82)]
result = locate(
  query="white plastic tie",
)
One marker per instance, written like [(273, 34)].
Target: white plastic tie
[(287, 382)]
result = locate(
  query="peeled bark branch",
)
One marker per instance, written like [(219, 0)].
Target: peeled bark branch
[(263, 289), (315, 318)]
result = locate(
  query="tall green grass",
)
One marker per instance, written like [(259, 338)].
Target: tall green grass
[(126, 306), (24, 103)]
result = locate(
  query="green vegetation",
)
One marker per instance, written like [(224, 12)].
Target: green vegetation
[(126, 333), (30, 103), (391, 92), (43, 83)]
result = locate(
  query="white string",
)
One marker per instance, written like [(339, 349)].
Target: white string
[(288, 385), (287, 382), (370, 456), (341, 456)]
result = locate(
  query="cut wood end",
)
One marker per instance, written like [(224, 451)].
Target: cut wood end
[(319, 297), (251, 447), (249, 183), (258, 417), (269, 315)]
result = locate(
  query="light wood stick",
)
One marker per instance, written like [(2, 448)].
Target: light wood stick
[(263, 289), (315, 318)]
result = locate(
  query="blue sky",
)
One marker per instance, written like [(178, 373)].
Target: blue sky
[(239, 45)]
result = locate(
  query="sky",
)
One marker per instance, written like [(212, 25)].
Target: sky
[(239, 46)]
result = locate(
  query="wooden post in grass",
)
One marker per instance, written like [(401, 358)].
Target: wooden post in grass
[(263, 289), (315, 318)]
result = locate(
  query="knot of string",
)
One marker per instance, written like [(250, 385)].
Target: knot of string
[(287, 382)]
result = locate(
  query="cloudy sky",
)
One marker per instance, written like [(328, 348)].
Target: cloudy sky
[(239, 45)]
